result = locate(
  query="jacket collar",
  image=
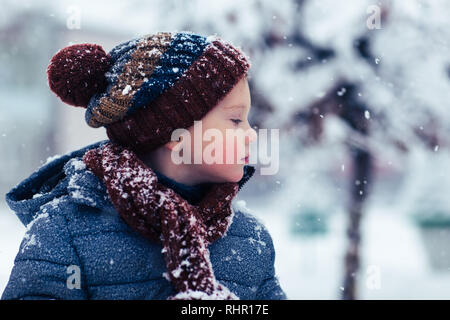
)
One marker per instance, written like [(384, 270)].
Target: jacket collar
[(193, 194)]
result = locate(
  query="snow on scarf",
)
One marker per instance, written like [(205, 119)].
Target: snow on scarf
[(161, 215)]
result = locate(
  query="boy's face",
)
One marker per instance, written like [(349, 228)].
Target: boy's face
[(229, 118)]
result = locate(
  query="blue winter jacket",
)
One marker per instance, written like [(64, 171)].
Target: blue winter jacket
[(78, 247)]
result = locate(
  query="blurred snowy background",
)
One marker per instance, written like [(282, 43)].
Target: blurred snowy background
[(360, 91)]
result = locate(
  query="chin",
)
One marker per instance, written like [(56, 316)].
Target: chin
[(226, 174), (236, 175)]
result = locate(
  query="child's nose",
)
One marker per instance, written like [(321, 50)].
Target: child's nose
[(251, 135)]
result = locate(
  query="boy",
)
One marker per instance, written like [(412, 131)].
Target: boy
[(119, 219)]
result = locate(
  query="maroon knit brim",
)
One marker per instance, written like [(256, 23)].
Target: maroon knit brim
[(209, 79)]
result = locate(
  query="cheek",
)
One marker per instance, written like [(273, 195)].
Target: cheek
[(234, 148)]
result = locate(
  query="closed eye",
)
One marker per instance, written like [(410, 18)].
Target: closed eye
[(236, 121)]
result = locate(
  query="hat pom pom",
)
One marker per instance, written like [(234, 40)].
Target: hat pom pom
[(77, 72)]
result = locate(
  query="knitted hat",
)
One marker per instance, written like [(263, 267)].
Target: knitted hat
[(149, 86)]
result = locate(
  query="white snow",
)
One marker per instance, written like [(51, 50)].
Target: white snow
[(50, 159), (77, 194), (312, 268), (78, 164), (42, 215), (341, 92), (154, 52), (127, 89), (411, 56), (29, 240), (176, 273)]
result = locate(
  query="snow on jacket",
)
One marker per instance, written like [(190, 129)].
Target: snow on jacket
[(76, 245)]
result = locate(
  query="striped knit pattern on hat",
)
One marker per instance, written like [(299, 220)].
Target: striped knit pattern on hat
[(162, 82)]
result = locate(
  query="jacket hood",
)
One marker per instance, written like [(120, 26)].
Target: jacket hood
[(67, 175)]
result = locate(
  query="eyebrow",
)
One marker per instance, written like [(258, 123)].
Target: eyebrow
[(240, 106)]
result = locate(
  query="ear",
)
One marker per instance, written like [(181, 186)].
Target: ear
[(172, 144)]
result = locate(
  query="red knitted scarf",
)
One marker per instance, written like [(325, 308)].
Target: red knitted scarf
[(161, 215)]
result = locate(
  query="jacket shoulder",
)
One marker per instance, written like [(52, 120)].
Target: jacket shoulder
[(45, 255), (46, 236), (247, 225)]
